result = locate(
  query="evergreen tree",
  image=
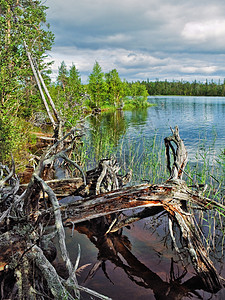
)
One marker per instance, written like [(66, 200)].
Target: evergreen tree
[(75, 91), (74, 82), (63, 75), (97, 86), (68, 92), (115, 90), (20, 21)]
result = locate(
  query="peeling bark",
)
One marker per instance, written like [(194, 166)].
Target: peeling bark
[(25, 215)]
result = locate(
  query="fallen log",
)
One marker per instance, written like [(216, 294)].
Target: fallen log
[(173, 197), (141, 196), (98, 197), (62, 187), (169, 197)]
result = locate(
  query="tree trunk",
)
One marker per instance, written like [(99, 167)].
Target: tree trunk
[(26, 214)]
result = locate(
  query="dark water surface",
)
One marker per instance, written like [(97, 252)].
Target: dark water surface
[(139, 263)]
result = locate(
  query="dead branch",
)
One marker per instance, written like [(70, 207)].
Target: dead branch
[(39, 86), (179, 155), (23, 218), (61, 233)]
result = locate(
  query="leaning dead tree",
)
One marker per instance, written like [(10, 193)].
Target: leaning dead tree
[(26, 249), (25, 246)]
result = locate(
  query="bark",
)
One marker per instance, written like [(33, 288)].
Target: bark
[(39, 87), (25, 215)]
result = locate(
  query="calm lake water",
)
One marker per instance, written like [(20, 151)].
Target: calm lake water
[(137, 137), (201, 120), (139, 263)]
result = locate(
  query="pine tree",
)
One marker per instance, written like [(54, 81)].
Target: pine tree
[(63, 75), (20, 21), (74, 83), (97, 86), (115, 90)]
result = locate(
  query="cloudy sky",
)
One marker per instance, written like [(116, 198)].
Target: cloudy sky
[(154, 39)]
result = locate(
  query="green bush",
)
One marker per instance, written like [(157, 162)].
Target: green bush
[(13, 138)]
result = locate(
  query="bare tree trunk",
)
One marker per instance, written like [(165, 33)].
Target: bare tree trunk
[(39, 87), (47, 93), (24, 218)]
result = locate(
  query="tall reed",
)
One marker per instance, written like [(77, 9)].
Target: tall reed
[(146, 158)]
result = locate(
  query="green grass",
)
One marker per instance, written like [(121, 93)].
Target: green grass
[(146, 158)]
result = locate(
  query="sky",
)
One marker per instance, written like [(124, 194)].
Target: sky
[(141, 39)]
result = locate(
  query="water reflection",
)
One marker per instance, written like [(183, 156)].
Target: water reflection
[(201, 121), (137, 117), (116, 249), (106, 130)]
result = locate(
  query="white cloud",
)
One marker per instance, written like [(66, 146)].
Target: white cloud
[(196, 70), (141, 39), (203, 31)]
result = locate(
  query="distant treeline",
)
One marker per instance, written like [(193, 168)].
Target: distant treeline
[(185, 88)]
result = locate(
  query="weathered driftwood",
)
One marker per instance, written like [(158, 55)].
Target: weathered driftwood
[(179, 155), (24, 217), (172, 196), (141, 196), (22, 237), (99, 180)]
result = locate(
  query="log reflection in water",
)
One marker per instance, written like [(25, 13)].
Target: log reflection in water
[(116, 248)]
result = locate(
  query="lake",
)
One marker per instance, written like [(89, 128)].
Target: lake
[(139, 262), (136, 137), (200, 120)]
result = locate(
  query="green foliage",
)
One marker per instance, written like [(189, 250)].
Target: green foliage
[(106, 91), (68, 93), (74, 83), (20, 21), (138, 96), (63, 74), (185, 88), (14, 135), (115, 90), (97, 87)]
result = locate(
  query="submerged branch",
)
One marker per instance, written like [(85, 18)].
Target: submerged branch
[(25, 217)]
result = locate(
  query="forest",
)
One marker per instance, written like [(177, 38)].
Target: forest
[(41, 129), (21, 106), (185, 88)]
